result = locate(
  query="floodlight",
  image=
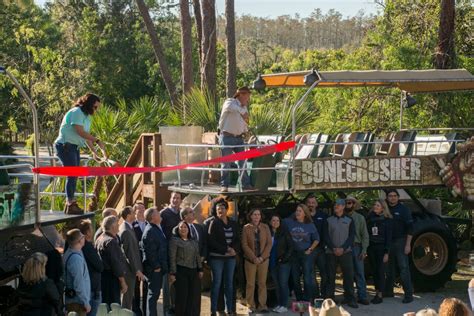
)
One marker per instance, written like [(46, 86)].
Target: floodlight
[(311, 78), (259, 84)]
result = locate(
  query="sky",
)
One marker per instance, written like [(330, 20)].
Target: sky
[(274, 8)]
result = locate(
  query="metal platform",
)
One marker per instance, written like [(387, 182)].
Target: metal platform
[(214, 189), (47, 218)]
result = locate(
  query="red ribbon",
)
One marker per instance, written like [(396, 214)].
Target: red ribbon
[(110, 171)]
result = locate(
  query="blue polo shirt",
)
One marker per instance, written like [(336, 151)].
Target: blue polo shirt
[(67, 132)]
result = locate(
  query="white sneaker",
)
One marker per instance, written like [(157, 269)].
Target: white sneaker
[(282, 309), (276, 309)]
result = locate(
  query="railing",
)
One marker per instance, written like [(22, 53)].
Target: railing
[(421, 147), (85, 162)]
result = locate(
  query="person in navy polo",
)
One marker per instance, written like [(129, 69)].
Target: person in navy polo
[(400, 248)]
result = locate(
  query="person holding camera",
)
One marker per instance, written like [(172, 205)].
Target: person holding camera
[(76, 275)]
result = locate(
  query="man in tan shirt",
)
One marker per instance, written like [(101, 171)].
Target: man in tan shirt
[(233, 124)]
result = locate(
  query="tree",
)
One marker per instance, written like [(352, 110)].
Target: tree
[(158, 49), (186, 47), (198, 20), (209, 42), (231, 64), (445, 54)]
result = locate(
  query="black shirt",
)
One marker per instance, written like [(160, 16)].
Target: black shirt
[(402, 221), (380, 230)]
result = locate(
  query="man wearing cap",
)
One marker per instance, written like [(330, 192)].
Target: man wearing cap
[(400, 248), (233, 124), (339, 231), (359, 249)]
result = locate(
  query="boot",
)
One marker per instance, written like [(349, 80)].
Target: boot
[(73, 209)]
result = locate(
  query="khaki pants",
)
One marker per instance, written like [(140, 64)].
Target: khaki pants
[(258, 271), (78, 308)]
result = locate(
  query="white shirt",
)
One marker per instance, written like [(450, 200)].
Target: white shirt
[(141, 225), (231, 120)]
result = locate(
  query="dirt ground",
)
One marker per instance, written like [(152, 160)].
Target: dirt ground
[(390, 306)]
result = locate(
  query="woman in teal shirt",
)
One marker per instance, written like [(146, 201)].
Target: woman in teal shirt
[(74, 133)]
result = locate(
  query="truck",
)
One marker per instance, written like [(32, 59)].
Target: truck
[(334, 165)]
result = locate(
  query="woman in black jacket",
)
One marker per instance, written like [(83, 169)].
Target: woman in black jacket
[(39, 295), (280, 266), (223, 243), (379, 224)]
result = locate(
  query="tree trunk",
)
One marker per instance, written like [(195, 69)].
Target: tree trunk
[(209, 38), (94, 203), (158, 49), (231, 68), (198, 19), (186, 47), (444, 55)]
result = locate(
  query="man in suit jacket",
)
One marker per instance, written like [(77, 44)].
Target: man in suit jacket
[(154, 247), (132, 253), (141, 288), (197, 231), (170, 218)]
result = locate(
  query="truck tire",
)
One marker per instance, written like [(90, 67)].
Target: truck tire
[(434, 253)]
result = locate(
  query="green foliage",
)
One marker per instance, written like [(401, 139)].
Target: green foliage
[(121, 127), (30, 144), (275, 117), (60, 52), (201, 109)]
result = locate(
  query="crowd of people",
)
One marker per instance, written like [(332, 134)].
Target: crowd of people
[(138, 254)]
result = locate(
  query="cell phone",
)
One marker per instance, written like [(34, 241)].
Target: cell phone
[(318, 302)]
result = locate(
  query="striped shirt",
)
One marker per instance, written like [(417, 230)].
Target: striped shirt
[(229, 234)]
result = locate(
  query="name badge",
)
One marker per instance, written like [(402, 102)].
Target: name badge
[(375, 231)]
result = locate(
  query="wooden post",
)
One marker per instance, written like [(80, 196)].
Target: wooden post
[(156, 176)]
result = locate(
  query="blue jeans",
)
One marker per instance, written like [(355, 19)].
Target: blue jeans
[(155, 281), (359, 275), (397, 257), (232, 141), (302, 263), (222, 271), (281, 276), (69, 156), (96, 299)]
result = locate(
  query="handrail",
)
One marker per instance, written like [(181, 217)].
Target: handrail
[(289, 167), (34, 113), (31, 174), (376, 142)]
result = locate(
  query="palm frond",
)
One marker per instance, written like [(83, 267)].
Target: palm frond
[(201, 109)]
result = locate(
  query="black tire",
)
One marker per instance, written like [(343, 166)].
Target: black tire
[(434, 253)]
